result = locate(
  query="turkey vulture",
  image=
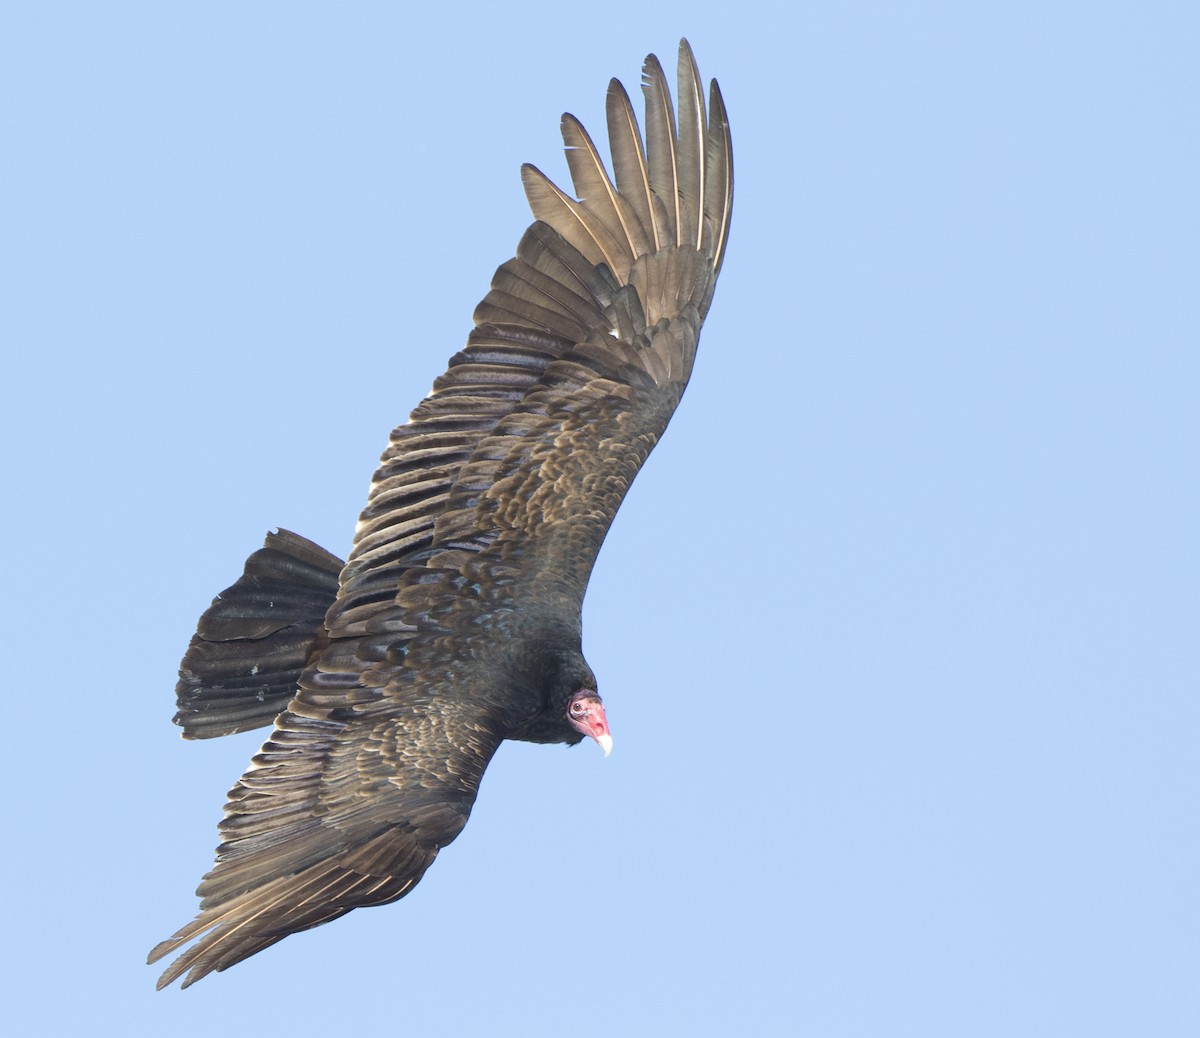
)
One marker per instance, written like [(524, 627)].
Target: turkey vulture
[(391, 679)]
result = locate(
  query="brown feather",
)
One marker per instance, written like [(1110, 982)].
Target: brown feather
[(594, 188), (693, 129), (629, 162), (661, 140), (718, 188), (573, 220)]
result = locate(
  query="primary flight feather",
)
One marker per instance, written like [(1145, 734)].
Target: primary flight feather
[(391, 679)]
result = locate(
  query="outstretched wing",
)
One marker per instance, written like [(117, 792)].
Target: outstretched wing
[(490, 503), (330, 818), (580, 353)]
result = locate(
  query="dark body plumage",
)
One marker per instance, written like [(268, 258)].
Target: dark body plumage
[(455, 623)]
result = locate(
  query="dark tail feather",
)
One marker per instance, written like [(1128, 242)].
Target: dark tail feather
[(250, 646)]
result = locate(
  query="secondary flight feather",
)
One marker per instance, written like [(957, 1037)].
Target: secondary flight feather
[(392, 678)]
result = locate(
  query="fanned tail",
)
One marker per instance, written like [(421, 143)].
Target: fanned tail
[(250, 646)]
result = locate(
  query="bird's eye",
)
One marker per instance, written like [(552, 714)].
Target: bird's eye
[(577, 708)]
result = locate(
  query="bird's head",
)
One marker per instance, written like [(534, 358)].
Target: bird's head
[(585, 713), (564, 705)]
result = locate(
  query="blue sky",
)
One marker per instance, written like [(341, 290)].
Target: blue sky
[(897, 632)]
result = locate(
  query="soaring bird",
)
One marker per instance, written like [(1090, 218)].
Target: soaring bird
[(392, 679)]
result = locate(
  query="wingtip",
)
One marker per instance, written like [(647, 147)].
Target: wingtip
[(685, 52)]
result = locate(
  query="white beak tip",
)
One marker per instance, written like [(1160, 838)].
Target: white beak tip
[(605, 743)]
